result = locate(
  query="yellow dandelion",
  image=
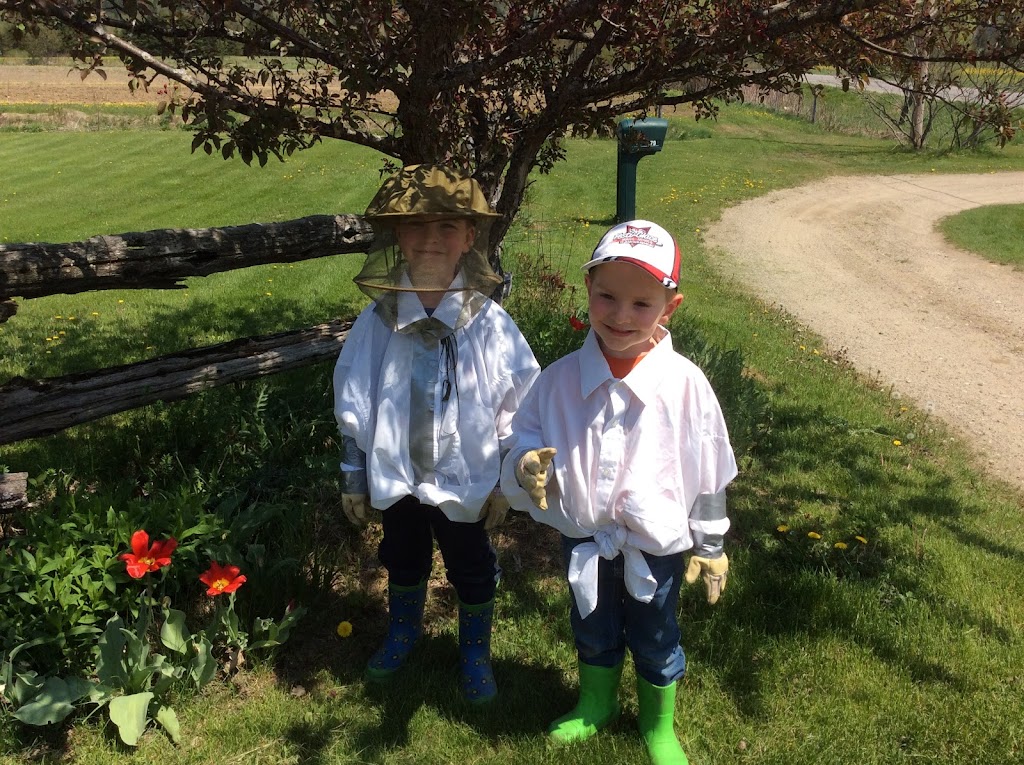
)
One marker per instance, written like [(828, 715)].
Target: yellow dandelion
[(862, 540), (119, 302), (268, 294), (782, 528), (840, 545), (803, 347), (344, 629), (95, 313), (814, 535), (897, 442), (817, 352)]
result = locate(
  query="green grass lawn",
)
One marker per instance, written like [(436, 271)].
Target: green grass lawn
[(877, 598), (995, 232)]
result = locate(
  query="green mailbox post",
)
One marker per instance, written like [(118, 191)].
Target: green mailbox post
[(637, 139)]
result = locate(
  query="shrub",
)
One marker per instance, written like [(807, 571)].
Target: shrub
[(546, 308)]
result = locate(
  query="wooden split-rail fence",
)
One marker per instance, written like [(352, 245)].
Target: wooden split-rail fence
[(159, 259)]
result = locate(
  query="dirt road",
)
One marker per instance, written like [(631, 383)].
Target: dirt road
[(859, 261)]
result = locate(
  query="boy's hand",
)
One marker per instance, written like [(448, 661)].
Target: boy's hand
[(714, 571), (532, 474), (494, 511), (354, 507)]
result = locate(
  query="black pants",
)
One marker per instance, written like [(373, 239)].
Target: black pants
[(410, 527)]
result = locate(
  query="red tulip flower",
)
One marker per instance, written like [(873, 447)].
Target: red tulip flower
[(145, 557), (576, 324), (221, 579)]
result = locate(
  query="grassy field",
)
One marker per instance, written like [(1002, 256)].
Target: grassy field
[(876, 605), (995, 232)]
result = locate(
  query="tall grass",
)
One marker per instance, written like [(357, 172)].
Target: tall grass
[(874, 610)]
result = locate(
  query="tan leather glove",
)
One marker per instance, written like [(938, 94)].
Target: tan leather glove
[(532, 474), (714, 571), (354, 506), (494, 511)]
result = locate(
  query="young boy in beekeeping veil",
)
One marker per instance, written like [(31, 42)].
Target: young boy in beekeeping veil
[(425, 389)]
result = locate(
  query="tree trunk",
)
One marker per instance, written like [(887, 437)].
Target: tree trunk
[(161, 259), (33, 408), (922, 47), (917, 122)]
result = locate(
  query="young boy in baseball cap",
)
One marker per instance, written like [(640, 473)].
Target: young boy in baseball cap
[(425, 388), (622, 447)]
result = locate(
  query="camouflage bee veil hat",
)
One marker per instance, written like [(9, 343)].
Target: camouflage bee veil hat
[(424, 193)]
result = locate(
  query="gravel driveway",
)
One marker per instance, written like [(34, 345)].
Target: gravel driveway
[(859, 261)]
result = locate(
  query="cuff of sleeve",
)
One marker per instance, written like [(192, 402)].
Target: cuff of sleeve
[(354, 482)]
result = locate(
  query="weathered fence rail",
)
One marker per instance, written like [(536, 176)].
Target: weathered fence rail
[(159, 259), (33, 408)]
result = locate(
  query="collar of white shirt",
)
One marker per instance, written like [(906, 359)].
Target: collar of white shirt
[(594, 369), (410, 309)]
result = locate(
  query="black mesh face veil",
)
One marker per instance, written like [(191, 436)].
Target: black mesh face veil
[(426, 193)]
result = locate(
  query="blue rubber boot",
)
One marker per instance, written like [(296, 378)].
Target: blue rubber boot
[(656, 719), (597, 707), (478, 684), (405, 612)]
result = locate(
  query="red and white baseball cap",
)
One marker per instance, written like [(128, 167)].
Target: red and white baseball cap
[(643, 244)]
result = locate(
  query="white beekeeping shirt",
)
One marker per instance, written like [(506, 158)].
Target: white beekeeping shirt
[(633, 455), (376, 378)]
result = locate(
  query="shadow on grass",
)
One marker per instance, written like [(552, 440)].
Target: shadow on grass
[(822, 475), (533, 688)]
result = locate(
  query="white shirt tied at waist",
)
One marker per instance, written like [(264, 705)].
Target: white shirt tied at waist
[(634, 455), (608, 543)]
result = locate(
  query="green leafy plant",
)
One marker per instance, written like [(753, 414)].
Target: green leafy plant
[(137, 662), (62, 580)]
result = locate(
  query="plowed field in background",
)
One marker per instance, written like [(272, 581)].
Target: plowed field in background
[(23, 84)]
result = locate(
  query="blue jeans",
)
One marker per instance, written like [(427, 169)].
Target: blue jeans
[(649, 629), (407, 550)]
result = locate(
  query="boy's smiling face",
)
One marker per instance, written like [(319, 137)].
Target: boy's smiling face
[(626, 305), (433, 249)]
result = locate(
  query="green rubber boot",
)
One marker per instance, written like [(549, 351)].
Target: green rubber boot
[(656, 719), (597, 708)]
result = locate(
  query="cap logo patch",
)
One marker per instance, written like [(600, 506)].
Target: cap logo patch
[(635, 235)]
